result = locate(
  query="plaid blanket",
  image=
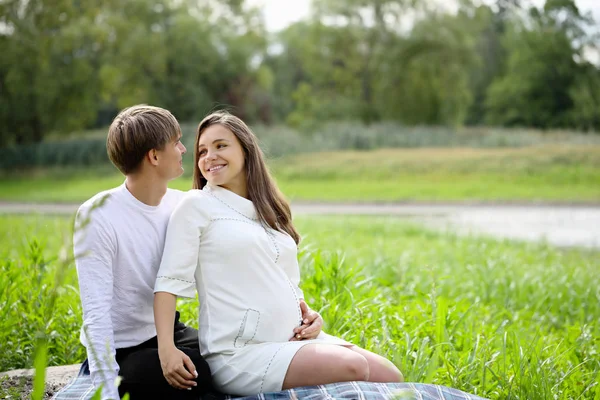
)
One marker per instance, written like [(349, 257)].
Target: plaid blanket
[(80, 388)]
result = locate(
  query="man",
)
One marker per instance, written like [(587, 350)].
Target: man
[(118, 244)]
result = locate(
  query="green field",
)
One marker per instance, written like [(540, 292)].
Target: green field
[(502, 319), (554, 173)]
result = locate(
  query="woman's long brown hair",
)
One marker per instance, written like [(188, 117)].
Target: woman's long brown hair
[(271, 206)]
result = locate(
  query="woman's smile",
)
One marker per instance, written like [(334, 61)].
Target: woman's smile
[(216, 168)]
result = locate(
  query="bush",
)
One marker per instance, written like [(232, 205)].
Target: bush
[(277, 141)]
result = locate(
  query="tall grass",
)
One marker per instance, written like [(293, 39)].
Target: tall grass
[(87, 149), (500, 319), (280, 140), (33, 284)]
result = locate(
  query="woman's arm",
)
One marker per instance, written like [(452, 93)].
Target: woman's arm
[(178, 368), (176, 278)]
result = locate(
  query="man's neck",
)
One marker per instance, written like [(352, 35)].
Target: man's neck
[(146, 189)]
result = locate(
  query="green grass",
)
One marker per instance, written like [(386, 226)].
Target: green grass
[(501, 319), (565, 173)]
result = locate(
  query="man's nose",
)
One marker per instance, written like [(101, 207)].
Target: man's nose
[(183, 149)]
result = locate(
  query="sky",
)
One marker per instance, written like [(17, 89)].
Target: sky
[(281, 13)]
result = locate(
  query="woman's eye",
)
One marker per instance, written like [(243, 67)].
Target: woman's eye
[(202, 152)]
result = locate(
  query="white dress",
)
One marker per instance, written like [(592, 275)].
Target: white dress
[(247, 280)]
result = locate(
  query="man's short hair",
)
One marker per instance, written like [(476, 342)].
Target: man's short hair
[(136, 131)]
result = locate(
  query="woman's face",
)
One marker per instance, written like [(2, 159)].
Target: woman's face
[(221, 159)]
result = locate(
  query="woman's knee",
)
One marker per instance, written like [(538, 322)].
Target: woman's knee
[(393, 374), (387, 372), (356, 368), (380, 368)]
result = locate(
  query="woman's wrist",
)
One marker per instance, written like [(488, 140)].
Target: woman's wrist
[(165, 346)]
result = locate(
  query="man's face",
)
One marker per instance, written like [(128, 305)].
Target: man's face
[(171, 159)]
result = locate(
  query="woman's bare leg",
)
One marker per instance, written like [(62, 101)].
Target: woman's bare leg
[(380, 369), (319, 364)]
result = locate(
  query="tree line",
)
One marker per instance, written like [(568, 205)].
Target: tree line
[(69, 65)]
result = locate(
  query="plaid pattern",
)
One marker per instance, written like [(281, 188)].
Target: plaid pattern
[(80, 388)]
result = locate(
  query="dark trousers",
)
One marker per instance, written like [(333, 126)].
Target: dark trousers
[(142, 374)]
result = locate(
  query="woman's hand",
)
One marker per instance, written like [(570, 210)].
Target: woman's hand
[(178, 369), (312, 323)]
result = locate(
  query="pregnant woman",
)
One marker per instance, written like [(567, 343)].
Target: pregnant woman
[(232, 240)]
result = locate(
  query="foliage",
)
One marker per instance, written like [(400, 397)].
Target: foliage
[(496, 318), (69, 65)]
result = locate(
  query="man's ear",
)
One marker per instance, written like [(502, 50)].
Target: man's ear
[(152, 157)]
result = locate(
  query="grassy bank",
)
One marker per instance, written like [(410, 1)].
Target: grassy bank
[(497, 318), (557, 173)]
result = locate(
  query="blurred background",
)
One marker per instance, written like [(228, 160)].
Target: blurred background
[(475, 117), (457, 100)]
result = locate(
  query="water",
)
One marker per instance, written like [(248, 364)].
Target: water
[(558, 225)]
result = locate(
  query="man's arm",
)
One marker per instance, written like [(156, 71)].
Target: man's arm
[(94, 246)]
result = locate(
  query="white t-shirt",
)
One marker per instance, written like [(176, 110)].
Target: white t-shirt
[(118, 244)]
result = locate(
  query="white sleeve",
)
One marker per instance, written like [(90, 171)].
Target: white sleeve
[(94, 246), (180, 255)]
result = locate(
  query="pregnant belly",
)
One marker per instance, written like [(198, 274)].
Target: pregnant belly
[(269, 320), (252, 312)]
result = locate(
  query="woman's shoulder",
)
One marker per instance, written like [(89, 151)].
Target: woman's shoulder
[(196, 201), (194, 194)]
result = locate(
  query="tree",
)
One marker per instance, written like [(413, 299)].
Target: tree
[(47, 76), (542, 68), (585, 94), (427, 76)]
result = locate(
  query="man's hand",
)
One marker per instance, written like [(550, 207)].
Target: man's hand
[(178, 368), (311, 324)]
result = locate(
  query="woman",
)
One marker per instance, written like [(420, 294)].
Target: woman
[(234, 242)]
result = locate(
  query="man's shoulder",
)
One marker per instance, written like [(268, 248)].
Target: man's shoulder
[(100, 199), (174, 195), (100, 204)]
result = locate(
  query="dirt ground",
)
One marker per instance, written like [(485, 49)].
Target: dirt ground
[(18, 384), (23, 385)]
